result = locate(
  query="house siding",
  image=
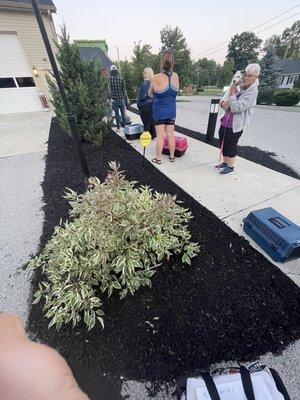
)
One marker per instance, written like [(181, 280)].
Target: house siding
[(287, 81), (23, 22)]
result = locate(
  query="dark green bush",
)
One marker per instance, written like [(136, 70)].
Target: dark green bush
[(297, 84), (200, 89), (285, 97), (86, 90), (265, 96)]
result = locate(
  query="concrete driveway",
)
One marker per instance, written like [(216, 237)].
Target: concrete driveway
[(24, 132), (23, 146), (274, 129)]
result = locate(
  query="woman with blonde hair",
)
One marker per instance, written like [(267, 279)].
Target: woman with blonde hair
[(144, 102), (164, 88)]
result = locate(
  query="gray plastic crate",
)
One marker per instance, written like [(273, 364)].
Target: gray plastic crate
[(133, 131)]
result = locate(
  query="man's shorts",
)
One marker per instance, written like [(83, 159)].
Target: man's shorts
[(230, 141), (170, 121)]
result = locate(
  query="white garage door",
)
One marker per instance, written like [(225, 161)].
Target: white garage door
[(18, 92)]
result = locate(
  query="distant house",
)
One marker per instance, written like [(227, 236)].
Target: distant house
[(289, 72), (94, 49), (23, 57)]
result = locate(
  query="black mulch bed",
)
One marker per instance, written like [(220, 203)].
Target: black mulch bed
[(231, 304), (254, 154)]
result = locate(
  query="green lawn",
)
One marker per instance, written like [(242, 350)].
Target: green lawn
[(213, 91)]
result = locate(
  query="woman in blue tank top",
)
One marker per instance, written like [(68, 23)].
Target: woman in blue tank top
[(164, 88)]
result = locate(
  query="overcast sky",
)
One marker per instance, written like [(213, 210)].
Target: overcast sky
[(205, 24)]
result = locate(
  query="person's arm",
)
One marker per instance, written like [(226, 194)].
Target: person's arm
[(30, 370), (151, 88), (124, 92), (143, 93), (224, 100), (246, 100), (109, 89), (176, 80)]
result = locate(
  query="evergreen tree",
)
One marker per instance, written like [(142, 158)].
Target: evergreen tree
[(86, 90), (268, 73), (173, 39), (244, 49), (128, 74)]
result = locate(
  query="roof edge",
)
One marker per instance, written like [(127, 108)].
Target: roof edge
[(25, 6)]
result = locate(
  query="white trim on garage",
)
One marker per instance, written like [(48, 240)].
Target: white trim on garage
[(14, 65)]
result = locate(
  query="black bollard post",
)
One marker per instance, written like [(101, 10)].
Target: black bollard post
[(71, 116), (212, 120)]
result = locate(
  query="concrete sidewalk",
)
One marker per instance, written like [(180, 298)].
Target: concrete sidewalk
[(232, 197), (272, 129)]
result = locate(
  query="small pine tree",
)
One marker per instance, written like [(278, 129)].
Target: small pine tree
[(86, 90), (268, 74)]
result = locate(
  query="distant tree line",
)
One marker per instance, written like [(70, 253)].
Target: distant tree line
[(243, 48)]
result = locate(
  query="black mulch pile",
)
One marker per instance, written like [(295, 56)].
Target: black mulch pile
[(254, 154), (231, 304)]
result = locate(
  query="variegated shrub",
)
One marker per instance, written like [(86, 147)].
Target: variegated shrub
[(116, 236)]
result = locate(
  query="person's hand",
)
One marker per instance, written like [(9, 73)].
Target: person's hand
[(225, 105), (31, 371), (233, 89)]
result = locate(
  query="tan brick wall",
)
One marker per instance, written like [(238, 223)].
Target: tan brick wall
[(23, 22)]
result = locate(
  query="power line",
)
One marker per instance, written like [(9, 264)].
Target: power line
[(223, 48), (279, 22), (212, 52), (272, 19), (252, 29)]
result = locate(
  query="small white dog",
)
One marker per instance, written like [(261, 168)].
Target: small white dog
[(237, 81)]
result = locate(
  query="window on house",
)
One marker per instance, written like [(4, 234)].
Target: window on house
[(7, 83), (282, 80), (25, 82), (291, 79)]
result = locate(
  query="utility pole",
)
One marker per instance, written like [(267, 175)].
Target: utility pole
[(70, 114), (118, 55)]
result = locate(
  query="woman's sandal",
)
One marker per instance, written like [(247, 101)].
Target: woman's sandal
[(172, 159), (156, 161)]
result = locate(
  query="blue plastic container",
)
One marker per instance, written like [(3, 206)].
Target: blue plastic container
[(275, 234)]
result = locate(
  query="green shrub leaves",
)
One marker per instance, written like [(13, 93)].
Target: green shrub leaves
[(115, 238)]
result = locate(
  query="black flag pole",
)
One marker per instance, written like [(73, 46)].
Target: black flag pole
[(70, 114)]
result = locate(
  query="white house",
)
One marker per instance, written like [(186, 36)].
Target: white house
[(289, 72), (23, 57)]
